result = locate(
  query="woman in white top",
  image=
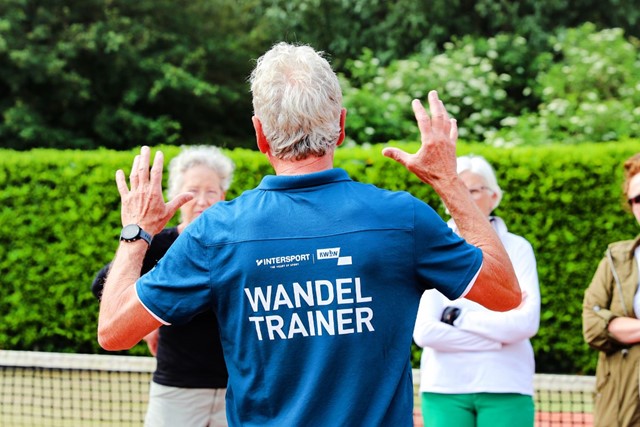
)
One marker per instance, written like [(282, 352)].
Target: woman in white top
[(477, 365)]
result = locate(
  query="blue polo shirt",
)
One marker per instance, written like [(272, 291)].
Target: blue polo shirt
[(315, 280)]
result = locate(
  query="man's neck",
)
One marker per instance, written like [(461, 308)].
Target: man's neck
[(301, 167)]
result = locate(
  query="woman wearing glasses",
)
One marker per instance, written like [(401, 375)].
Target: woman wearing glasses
[(477, 365), (610, 324)]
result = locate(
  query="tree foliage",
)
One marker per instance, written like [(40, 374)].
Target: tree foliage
[(585, 88), (118, 73), (396, 29)]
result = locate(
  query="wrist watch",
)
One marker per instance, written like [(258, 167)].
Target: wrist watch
[(133, 232)]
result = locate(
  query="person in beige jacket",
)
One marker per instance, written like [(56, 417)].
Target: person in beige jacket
[(610, 321)]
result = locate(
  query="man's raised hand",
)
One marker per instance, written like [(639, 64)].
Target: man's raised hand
[(143, 203), (435, 161)]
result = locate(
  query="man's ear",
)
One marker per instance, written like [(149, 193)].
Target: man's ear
[(343, 117), (261, 140)]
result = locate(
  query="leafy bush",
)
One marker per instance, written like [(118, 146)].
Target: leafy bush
[(395, 30), (120, 73), (481, 80), (590, 93), (59, 222), (586, 88)]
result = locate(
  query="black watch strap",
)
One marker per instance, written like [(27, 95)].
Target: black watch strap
[(133, 232)]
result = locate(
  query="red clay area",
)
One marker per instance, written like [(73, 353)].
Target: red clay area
[(543, 419)]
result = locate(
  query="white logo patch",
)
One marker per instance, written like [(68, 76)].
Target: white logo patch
[(333, 253)]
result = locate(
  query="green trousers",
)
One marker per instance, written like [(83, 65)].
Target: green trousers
[(477, 410)]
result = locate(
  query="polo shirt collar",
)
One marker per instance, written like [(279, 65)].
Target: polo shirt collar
[(292, 182)]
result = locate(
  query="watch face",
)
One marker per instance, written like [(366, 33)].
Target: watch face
[(130, 231)]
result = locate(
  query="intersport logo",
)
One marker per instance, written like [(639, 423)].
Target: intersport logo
[(287, 259)]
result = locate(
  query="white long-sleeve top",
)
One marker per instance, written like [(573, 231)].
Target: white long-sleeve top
[(484, 351)]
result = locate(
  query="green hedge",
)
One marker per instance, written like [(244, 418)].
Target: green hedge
[(59, 222)]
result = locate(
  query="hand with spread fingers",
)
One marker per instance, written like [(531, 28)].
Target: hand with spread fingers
[(143, 203), (435, 161)]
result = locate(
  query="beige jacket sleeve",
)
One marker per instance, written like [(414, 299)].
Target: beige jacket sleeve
[(597, 310)]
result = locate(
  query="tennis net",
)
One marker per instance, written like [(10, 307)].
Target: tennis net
[(60, 390)]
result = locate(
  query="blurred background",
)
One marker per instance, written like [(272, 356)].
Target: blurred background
[(120, 73)]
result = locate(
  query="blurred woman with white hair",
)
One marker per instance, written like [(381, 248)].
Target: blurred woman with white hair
[(477, 365)]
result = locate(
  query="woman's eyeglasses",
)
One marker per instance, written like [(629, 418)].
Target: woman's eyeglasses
[(477, 192), (634, 200)]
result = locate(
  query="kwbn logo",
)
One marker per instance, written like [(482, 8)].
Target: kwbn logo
[(332, 253)]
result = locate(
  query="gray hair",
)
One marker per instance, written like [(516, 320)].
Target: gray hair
[(298, 100), (480, 166), (197, 155)]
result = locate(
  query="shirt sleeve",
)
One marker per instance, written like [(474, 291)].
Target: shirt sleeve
[(179, 286), (596, 312), (444, 261), (429, 331)]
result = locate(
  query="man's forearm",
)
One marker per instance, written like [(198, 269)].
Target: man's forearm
[(497, 285), (119, 297), (123, 320)]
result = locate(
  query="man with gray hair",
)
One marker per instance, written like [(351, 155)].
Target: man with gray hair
[(315, 278)]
